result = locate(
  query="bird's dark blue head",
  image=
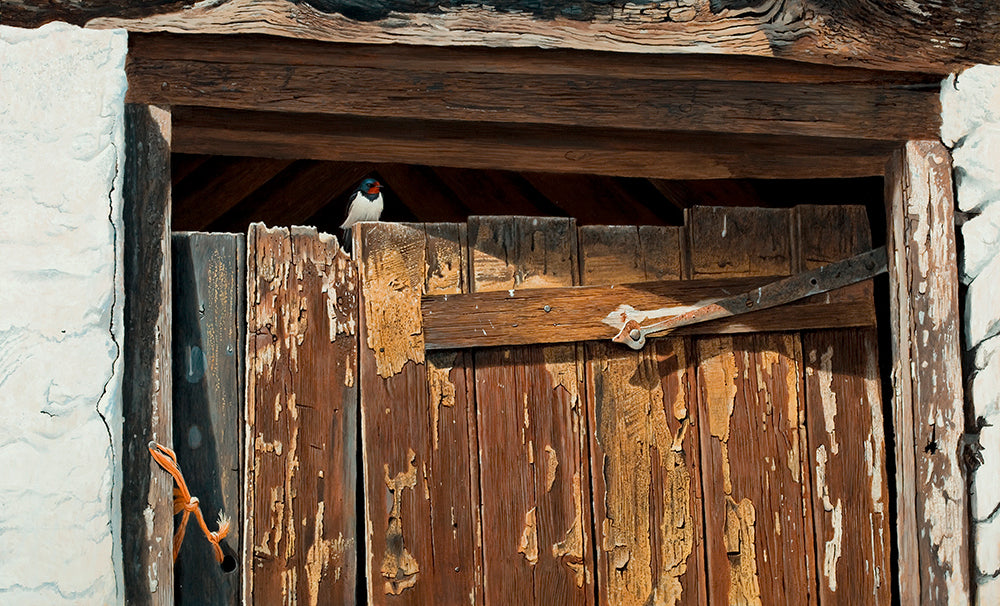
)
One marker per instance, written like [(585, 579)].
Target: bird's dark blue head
[(370, 187)]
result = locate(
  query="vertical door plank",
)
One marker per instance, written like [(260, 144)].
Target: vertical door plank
[(418, 432), (300, 418), (147, 490), (644, 438), (208, 342), (929, 421), (845, 428), (758, 519), (532, 428), (454, 453)]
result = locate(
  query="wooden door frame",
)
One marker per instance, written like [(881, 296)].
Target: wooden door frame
[(928, 420)]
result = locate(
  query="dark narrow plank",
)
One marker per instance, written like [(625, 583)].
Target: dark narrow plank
[(532, 428), (147, 521), (644, 441), (928, 416), (209, 284), (846, 432), (758, 519), (418, 431), (300, 418)]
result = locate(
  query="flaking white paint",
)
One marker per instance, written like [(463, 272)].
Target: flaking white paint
[(62, 93), (971, 126)]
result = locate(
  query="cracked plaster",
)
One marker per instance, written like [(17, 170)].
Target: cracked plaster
[(62, 95), (971, 127)]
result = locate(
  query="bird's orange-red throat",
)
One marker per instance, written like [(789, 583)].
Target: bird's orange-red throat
[(374, 189)]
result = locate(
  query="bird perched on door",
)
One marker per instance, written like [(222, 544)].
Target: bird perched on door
[(365, 204)]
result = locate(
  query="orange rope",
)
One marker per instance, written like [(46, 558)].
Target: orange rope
[(184, 502)]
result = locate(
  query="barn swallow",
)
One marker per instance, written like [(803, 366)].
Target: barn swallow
[(365, 205)]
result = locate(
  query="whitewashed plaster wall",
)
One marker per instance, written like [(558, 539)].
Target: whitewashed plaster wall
[(62, 92), (971, 127)]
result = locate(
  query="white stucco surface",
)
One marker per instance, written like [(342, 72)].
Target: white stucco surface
[(62, 93), (971, 126)]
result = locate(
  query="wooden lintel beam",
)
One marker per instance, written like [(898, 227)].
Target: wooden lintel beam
[(881, 111), (531, 147), (585, 313), (919, 35)]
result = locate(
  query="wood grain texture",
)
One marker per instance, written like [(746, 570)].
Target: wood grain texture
[(209, 332), (423, 538), (595, 312), (845, 428), (923, 35), (535, 478), (758, 518), (618, 152), (644, 438), (860, 111), (147, 490), (928, 409), (301, 415)]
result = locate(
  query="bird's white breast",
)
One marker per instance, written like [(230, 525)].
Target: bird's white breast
[(363, 209)]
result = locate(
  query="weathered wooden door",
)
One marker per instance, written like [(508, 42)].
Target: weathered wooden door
[(731, 466), (736, 462)]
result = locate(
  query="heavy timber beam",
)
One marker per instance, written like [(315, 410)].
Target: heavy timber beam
[(563, 89), (614, 152), (917, 35), (928, 414)]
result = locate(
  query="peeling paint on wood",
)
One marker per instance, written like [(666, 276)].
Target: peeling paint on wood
[(439, 366), (422, 413), (845, 428), (644, 459), (570, 549), (301, 414), (744, 586), (753, 458), (531, 394), (399, 568), (529, 538), (927, 379), (392, 284)]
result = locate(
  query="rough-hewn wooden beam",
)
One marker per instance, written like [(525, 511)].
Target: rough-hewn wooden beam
[(615, 152), (147, 492), (530, 88), (920, 35), (585, 313), (928, 417)]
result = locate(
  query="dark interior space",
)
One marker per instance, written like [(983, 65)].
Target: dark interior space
[(226, 193)]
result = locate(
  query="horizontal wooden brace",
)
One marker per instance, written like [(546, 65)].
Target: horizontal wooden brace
[(523, 147), (585, 313)]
